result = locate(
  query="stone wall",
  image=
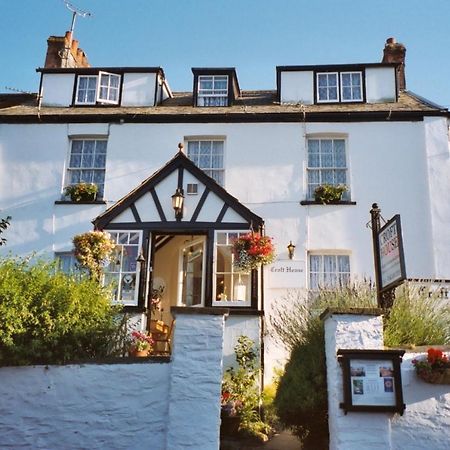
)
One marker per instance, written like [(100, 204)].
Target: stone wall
[(148, 405), (425, 422)]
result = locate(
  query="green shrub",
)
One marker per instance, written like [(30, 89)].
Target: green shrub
[(417, 318), (50, 317)]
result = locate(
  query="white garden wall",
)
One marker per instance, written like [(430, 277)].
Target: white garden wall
[(425, 423), (149, 405)]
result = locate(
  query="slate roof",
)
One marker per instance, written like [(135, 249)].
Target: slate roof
[(251, 106)]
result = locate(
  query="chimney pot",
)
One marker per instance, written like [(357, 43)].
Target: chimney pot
[(391, 40)]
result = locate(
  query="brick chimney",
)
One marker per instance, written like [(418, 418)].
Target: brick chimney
[(63, 52), (396, 52)]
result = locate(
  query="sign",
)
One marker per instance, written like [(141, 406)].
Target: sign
[(372, 380), (286, 274), (391, 256)]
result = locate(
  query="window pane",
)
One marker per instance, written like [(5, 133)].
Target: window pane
[(347, 93), (87, 160), (356, 79), (223, 259), (322, 80), (100, 147), (134, 238), (88, 147), (75, 160), (123, 238), (326, 146), (100, 161), (332, 93), (221, 238), (130, 253)]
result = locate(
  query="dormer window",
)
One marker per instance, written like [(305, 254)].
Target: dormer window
[(101, 88), (334, 87), (212, 90)]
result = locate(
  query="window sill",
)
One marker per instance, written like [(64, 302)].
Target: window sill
[(70, 202), (313, 202)]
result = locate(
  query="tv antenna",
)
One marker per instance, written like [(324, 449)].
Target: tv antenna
[(75, 12)]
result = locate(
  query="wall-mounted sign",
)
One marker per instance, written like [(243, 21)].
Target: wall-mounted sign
[(286, 274), (391, 256), (372, 380)]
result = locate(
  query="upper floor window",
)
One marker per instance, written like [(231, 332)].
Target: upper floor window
[(339, 87), (351, 89), (328, 271), (101, 88), (212, 90), (208, 155), (87, 163), (327, 164), (66, 262)]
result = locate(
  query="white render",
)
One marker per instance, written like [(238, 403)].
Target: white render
[(57, 89), (425, 422), (380, 84), (139, 89), (157, 406), (297, 87)]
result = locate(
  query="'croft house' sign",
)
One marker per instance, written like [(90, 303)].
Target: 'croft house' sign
[(286, 274)]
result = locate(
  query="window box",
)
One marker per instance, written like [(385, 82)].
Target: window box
[(329, 193), (82, 192)]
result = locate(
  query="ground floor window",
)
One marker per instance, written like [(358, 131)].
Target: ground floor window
[(66, 262), (328, 271), (230, 286), (123, 270)]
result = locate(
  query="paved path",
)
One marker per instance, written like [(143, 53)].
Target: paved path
[(283, 441)]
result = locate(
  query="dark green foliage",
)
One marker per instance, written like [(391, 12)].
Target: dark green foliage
[(301, 399), (4, 224), (50, 317)]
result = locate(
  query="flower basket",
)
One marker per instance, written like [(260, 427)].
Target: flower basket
[(329, 193), (251, 251), (141, 344), (435, 369), (82, 192)]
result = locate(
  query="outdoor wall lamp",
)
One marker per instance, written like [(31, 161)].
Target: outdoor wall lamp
[(177, 203), (291, 250)]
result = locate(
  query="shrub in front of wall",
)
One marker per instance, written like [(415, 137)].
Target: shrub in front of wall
[(419, 316), (48, 317)]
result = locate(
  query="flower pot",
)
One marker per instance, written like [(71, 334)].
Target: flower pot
[(85, 197), (141, 353)]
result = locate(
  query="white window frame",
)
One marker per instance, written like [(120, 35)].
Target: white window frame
[(79, 78), (201, 240), (329, 253), (98, 99), (234, 274), (134, 301), (92, 168), (72, 261), (109, 88), (208, 170), (352, 99), (337, 87), (203, 94), (310, 195)]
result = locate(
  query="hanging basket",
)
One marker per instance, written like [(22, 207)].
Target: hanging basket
[(252, 250), (436, 376)]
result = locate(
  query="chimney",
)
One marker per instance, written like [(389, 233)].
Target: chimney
[(63, 52), (394, 52)]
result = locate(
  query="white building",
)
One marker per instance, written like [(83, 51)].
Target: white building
[(262, 153)]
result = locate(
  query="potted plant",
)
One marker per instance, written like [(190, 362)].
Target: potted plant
[(435, 368), (329, 193), (251, 250), (82, 192), (141, 343)]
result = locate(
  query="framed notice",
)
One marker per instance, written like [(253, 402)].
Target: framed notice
[(391, 256), (372, 380)]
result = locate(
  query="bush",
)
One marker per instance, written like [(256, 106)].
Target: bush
[(50, 317), (417, 318)]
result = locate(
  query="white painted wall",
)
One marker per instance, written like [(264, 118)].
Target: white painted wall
[(380, 84), (297, 87), (138, 89), (425, 423), (57, 89), (401, 165), (157, 406)]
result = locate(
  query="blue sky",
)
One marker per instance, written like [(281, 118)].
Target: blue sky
[(252, 35)]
